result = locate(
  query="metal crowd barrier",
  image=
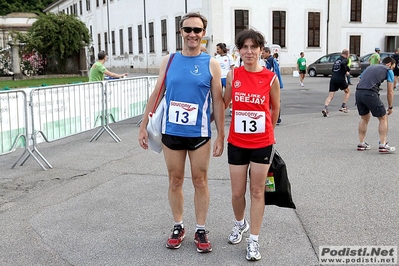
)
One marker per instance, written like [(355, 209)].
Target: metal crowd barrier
[(13, 121), (14, 125), (125, 99), (62, 111), (55, 112)]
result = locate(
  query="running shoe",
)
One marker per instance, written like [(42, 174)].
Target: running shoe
[(253, 250), (344, 109), (278, 121), (177, 236), (236, 235), (302, 84), (202, 242), (363, 146), (386, 148), (325, 112)]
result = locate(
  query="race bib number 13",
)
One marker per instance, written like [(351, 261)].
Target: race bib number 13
[(183, 113), (249, 122)]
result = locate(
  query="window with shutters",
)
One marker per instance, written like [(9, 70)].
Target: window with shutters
[(314, 29), (241, 20), (356, 10), (279, 28)]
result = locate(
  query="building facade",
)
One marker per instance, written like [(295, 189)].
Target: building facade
[(136, 34)]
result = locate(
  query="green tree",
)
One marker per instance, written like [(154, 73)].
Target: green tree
[(5, 7), (57, 36), (35, 6)]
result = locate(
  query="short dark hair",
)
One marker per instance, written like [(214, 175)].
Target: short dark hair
[(388, 59), (222, 46), (267, 49), (101, 55), (193, 15), (257, 38)]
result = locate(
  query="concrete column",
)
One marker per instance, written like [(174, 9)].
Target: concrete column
[(15, 59)]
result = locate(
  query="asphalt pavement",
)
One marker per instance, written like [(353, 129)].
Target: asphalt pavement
[(105, 203)]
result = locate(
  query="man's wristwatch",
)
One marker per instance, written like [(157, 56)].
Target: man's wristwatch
[(390, 107)]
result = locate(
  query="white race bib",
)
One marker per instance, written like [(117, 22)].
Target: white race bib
[(183, 113), (249, 122)]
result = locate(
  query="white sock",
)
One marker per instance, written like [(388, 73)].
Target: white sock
[(254, 237), (241, 223), (180, 223), (199, 227)]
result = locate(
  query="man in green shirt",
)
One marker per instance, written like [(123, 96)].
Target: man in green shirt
[(301, 67), (375, 58), (98, 69)]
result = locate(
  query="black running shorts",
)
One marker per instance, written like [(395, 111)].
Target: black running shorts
[(369, 101), (183, 143), (336, 85), (242, 156)]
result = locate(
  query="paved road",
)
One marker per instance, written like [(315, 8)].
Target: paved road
[(105, 203)]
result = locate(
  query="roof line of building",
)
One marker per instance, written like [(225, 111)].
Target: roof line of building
[(51, 5)]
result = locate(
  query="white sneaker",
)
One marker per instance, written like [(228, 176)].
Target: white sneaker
[(235, 236), (253, 250), (302, 84), (386, 148)]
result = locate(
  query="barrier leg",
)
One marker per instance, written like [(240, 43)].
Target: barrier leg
[(29, 153)]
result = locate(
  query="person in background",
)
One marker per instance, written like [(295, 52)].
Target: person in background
[(395, 56), (275, 55), (301, 67), (193, 88), (98, 70), (225, 60), (340, 70), (348, 76), (272, 64), (375, 58), (368, 100), (255, 95)]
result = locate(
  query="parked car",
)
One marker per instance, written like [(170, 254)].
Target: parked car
[(364, 60), (323, 65)]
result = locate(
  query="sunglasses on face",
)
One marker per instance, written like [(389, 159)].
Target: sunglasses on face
[(190, 29)]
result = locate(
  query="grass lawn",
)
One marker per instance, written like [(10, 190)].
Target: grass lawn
[(14, 84)]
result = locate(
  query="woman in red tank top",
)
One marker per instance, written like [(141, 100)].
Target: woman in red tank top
[(254, 92)]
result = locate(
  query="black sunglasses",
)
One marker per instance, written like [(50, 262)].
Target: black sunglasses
[(190, 29)]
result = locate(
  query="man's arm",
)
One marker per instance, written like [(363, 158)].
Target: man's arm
[(114, 75), (218, 106), (227, 91), (390, 93), (143, 135)]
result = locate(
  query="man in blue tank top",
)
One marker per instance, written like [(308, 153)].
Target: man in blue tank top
[(192, 86), (368, 100)]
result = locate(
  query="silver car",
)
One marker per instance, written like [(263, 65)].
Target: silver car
[(323, 65)]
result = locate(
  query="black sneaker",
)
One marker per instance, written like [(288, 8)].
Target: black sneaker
[(202, 242), (177, 236)]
